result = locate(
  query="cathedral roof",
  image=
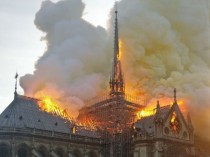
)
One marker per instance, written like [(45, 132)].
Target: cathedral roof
[(24, 112), (147, 123)]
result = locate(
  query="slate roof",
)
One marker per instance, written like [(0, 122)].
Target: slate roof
[(24, 112)]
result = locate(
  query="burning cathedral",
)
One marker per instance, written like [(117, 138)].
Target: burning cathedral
[(106, 127)]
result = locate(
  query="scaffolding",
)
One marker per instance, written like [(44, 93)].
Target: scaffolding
[(113, 117), (114, 113)]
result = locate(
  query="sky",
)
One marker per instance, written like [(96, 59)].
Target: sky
[(20, 40)]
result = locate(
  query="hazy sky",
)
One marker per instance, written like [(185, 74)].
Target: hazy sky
[(20, 40)]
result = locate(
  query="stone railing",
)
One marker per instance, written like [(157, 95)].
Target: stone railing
[(45, 133)]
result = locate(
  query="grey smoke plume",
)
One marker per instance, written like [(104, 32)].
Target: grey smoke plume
[(73, 67), (166, 44)]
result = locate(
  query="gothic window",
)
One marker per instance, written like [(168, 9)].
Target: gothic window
[(175, 124), (91, 154), (60, 152), (43, 151), (77, 153), (4, 149), (22, 152)]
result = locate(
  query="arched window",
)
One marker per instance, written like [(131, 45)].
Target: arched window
[(92, 154), (4, 149), (77, 153), (23, 150), (60, 152), (43, 151)]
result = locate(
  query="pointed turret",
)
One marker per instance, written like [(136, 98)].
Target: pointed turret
[(175, 100), (158, 118), (116, 80)]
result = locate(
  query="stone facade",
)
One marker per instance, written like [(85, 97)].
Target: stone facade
[(26, 131), (166, 133), (24, 143)]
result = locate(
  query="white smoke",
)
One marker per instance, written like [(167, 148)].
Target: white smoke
[(166, 44), (73, 67)]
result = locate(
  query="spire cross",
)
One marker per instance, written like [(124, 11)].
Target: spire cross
[(175, 101)]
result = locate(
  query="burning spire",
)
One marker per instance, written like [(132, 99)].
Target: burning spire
[(116, 80)]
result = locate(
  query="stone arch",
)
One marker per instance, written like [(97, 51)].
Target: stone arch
[(43, 151), (77, 153), (91, 154), (60, 152), (23, 150), (5, 150)]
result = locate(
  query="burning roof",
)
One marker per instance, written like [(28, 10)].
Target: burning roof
[(25, 112)]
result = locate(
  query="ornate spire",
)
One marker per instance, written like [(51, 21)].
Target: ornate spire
[(16, 77), (175, 101), (116, 80), (116, 39)]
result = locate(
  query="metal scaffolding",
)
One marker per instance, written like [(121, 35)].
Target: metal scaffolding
[(113, 114), (113, 117)]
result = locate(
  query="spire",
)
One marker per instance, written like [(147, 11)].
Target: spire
[(175, 101), (116, 39), (116, 80), (16, 77)]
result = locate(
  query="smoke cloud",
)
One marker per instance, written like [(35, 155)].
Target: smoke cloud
[(166, 44), (74, 65)]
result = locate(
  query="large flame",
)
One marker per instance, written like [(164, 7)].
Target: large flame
[(151, 108), (50, 105), (120, 48), (145, 113)]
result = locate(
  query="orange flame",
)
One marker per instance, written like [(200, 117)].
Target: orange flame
[(48, 105), (145, 113), (173, 118), (120, 49), (151, 108)]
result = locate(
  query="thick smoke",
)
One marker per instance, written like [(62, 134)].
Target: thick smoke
[(166, 44), (73, 67)]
